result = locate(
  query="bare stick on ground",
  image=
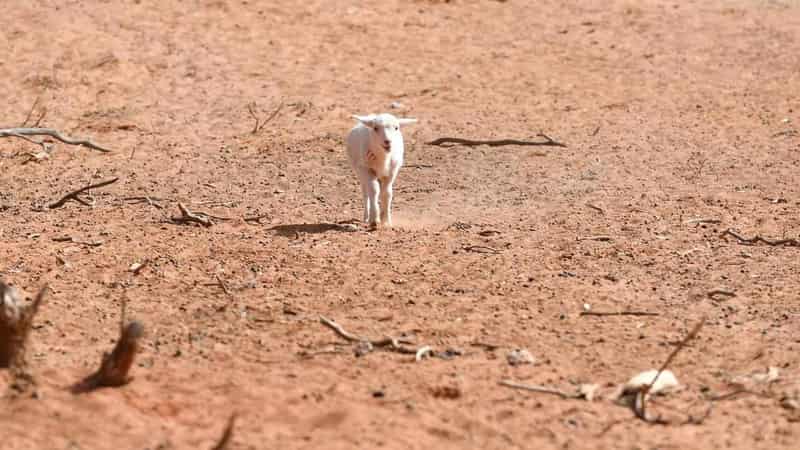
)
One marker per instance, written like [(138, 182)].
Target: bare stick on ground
[(30, 112), (640, 403), (721, 292), (22, 132), (189, 217), (15, 325), (152, 201), (702, 221), (227, 435), (539, 389), (114, 366), (595, 238), (221, 284), (756, 239), (481, 249), (618, 313), (596, 208), (394, 344), (259, 124), (74, 195), (444, 141)]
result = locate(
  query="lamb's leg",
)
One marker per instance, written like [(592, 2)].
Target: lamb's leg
[(386, 201), (364, 177), (371, 190)]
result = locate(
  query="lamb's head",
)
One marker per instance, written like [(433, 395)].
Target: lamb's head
[(384, 130)]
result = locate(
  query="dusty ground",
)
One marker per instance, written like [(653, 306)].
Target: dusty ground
[(671, 112)]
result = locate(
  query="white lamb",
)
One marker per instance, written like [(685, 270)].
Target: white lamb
[(375, 148)]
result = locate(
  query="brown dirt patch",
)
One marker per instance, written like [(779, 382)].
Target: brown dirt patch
[(671, 112)]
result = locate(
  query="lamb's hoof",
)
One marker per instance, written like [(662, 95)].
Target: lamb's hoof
[(372, 226)]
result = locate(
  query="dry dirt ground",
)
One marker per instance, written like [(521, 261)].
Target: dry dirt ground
[(671, 111)]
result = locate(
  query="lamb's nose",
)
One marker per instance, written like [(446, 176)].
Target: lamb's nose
[(386, 143)]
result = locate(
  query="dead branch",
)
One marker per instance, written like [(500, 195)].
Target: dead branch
[(702, 221), (756, 239), (45, 145), (394, 344), (485, 345), (419, 166), (145, 199), (19, 132), (15, 325), (260, 125), (188, 217), (539, 389), (74, 194), (481, 249), (640, 403), (785, 133), (227, 435), (76, 241), (596, 208), (30, 112), (441, 142), (223, 285), (114, 367), (720, 291), (595, 238), (618, 313)]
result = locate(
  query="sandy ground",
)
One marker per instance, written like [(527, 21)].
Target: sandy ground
[(671, 111)]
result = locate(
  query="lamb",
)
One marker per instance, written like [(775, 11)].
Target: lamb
[(375, 149)]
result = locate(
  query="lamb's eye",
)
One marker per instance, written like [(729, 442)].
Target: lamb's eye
[(376, 129)]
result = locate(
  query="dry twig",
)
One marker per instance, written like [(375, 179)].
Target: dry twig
[(595, 238), (702, 221), (596, 208), (30, 112), (394, 344), (188, 217), (618, 313), (145, 199), (720, 291), (640, 403), (15, 325), (76, 241), (756, 239), (227, 435), (539, 389), (74, 194), (481, 249), (260, 125), (442, 142), (22, 132)]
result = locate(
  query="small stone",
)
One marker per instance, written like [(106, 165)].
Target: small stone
[(518, 357)]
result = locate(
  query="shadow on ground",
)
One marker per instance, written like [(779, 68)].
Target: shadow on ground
[(291, 230)]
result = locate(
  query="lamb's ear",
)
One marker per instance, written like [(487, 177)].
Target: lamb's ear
[(406, 121), (366, 120)]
